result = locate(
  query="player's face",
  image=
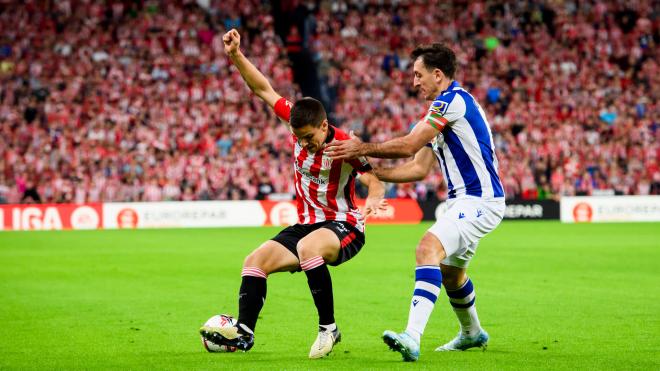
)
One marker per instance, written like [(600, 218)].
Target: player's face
[(312, 138), (427, 82)]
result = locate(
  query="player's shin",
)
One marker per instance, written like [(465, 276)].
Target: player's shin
[(252, 296), (320, 285), (463, 302), (428, 279)]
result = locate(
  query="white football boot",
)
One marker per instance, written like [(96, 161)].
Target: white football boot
[(402, 343), (464, 342), (324, 343)]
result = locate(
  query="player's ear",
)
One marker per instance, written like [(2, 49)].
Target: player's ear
[(439, 75)]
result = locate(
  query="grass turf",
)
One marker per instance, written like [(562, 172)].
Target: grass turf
[(552, 296)]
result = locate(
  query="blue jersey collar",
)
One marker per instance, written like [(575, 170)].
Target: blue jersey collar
[(454, 84)]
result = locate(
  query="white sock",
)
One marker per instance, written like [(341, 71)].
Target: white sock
[(427, 287), (330, 327)]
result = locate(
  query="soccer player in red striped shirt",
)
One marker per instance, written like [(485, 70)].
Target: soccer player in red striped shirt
[(330, 228)]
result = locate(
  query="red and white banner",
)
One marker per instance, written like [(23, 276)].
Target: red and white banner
[(610, 209), (196, 214), (51, 217)]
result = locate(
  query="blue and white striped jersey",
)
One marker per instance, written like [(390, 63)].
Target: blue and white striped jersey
[(464, 147)]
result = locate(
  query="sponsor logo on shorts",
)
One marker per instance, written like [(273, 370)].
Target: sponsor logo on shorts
[(461, 215), (341, 227)]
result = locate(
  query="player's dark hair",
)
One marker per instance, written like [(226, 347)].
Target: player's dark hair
[(307, 111), (438, 56)]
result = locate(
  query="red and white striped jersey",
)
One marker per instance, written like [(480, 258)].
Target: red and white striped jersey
[(325, 188)]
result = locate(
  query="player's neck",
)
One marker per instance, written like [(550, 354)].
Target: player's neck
[(329, 135), (444, 86), (441, 88)]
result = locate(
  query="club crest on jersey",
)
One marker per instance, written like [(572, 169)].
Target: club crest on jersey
[(326, 162), (439, 107)]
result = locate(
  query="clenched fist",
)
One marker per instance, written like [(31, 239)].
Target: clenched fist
[(232, 41)]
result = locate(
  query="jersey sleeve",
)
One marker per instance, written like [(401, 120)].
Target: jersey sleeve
[(445, 110), (283, 109), (360, 164)]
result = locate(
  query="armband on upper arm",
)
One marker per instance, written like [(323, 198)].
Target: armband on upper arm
[(282, 109)]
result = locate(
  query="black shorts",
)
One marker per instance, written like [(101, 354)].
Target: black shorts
[(350, 238)]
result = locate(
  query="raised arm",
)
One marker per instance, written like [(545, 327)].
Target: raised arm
[(254, 79), (414, 170)]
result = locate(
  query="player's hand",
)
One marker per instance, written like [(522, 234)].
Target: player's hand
[(232, 41), (344, 149), (374, 206)]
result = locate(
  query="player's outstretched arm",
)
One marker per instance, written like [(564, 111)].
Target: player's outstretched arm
[(254, 79), (375, 202), (412, 171), (402, 147)]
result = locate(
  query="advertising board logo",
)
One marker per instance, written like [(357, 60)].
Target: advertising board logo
[(582, 212), (127, 218), (85, 217), (284, 213)]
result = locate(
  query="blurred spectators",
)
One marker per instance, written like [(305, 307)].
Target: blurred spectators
[(130, 101), (135, 101), (570, 88)]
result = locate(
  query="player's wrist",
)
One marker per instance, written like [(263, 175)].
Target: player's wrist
[(363, 149)]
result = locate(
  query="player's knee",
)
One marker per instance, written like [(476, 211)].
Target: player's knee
[(304, 250), (428, 252), (307, 250), (423, 252), (254, 259)]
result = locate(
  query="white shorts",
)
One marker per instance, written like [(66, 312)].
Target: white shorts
[(463, 224)]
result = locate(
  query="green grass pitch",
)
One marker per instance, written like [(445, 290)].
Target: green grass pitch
[(552, 296)]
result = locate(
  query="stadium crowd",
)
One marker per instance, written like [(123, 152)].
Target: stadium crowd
[(136, 101)]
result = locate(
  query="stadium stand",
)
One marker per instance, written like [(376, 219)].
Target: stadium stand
[(136, 101)]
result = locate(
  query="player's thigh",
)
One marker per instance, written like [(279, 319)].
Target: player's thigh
[(272, 257), (447, 232), (321, 242)]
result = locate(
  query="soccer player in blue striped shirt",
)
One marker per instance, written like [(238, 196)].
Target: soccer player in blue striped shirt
[(456, 130)]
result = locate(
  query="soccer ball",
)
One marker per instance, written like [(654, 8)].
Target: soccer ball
[(220, 320)]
